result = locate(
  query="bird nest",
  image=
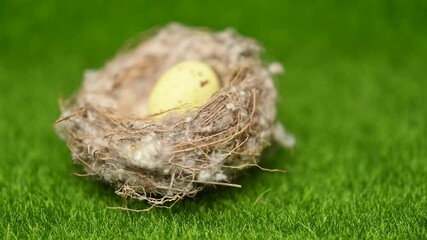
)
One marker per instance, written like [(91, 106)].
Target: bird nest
[(162, 160)]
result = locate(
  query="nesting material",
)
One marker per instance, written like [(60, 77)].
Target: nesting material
[(161, 160)]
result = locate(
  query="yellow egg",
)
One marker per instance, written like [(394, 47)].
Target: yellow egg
[(184, 86)]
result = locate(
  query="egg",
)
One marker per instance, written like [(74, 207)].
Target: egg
[(184, 86)]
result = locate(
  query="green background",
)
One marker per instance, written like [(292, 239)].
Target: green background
[(354, 94)]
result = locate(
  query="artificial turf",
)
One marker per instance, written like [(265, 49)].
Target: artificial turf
[(354, 94)]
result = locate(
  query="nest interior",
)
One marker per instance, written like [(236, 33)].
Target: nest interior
[(106, 126)]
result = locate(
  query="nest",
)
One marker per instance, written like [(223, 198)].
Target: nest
[(108, 131)]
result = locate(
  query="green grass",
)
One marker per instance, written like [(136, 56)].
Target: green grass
[(354, 94)]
